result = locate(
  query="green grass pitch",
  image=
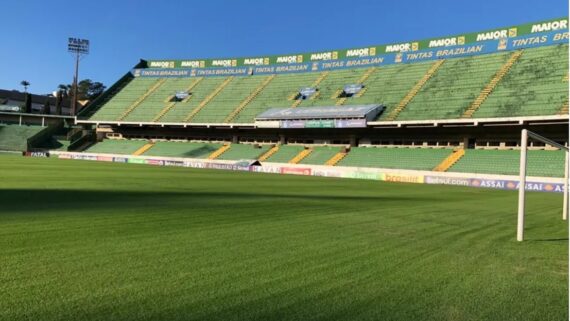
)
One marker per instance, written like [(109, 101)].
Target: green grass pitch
[(84, 240)]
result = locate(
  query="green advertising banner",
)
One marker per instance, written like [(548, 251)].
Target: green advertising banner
[(319, 124), (371, 51)]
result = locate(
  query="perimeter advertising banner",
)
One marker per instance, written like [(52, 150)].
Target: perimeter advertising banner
[(296, 170), (494, 183), (173, 163), (350, 123), (417, 177), (105, 158), (120, 159), (156, 162), (136, 160), (35, 154), (560, 24), (477, 48), (337, 123)]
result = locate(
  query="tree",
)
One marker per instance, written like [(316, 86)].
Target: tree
[(87, 89), (58, 101), (28, 103), (95, 90), (64, 88), (64, 91), (25, 84)]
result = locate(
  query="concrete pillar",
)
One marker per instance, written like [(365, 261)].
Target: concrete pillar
[(235, 139), (353, 142)]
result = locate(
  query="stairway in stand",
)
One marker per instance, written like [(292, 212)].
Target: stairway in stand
[(336, 158), (246, 101), (209, 98), (362, 79), (450, 160), (298, 101), (304, 153), (414, 91), (491, 85), (142, 98), (219, 151)]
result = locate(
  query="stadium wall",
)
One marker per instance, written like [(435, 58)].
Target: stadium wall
[(503, 182)]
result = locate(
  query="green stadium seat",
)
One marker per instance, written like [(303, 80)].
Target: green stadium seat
[(117, 146), (320, 155), (15, 137), (285, 153), (397, 158), (244, 151), (534, 85), (506, 162), (182, 149)]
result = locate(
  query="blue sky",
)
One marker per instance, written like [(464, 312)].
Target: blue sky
[(34, 32)]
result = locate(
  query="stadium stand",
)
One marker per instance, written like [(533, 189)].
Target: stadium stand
[(534, 86), (249, 98), (404, 158), (142, 98), (278, 93), (301, 155), (274, 149), (57, 143), (342, 99), (124, 99), (182, 149), (171, 104), (60, 140), (285, 153), (336, 158), (143, 148), (117, 146), (453, 158), (437, 105), (146, 110), (453, 88), (227, 99), (492, 84), (320, 155), (475, 86), (243, 151), (16, 137), (199, 97), (395, 112), (297, 100), (331, 86), (539, 163)]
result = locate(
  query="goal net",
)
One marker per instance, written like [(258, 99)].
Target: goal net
[(540, 157)]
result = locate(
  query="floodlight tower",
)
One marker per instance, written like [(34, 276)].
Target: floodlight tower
[(79, 48)]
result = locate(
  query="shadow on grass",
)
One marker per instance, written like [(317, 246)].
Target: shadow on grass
[(36, 200)]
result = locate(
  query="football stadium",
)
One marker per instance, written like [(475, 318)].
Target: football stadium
[(386, 182)]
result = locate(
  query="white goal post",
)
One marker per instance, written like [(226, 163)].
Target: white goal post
[(522, 178)]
